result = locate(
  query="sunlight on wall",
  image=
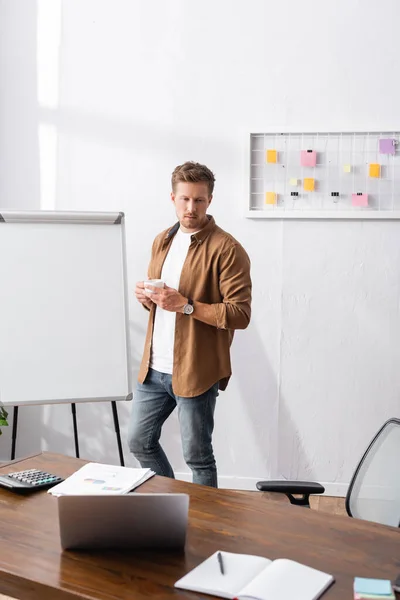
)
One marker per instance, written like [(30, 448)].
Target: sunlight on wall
[(48, 47), (48, 166)]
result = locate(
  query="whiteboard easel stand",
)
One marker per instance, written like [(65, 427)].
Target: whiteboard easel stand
[(75, 426), (82, 218)]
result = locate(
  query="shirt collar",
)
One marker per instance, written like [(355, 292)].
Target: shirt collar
[(200, 236)]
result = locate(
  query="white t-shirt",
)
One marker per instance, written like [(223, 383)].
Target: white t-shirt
[(162, 354)]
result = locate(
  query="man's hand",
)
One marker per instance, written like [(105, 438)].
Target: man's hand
[(166, 298), (141, 295)]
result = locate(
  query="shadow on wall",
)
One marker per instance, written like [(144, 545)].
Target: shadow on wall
[(19, 164), (95, 419), (266, 409), (260, 410), (19, 141), (123, 133), (29, 432), (258, 388), (292, 457)]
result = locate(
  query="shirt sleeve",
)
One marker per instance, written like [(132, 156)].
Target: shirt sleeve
[(234, 311), (149, 268)]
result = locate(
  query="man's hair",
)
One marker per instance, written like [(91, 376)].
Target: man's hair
[(192, 172)]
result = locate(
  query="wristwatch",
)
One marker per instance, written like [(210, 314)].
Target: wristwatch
[(188, 308)]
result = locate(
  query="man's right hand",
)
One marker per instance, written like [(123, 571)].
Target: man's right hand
[(141, 296)]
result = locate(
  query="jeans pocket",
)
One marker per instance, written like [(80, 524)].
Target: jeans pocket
[(151, 379)]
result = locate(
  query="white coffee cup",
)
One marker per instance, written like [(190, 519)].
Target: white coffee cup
[(154, 282)]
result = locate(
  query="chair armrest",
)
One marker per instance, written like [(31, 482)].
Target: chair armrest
[(305, 488), (291, 487)]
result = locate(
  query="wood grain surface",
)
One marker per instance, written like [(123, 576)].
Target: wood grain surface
[(33, 566)]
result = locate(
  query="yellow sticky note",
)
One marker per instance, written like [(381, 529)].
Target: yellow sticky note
[(347, 168), (270, 198), (374, 170), (293, 181), (272, 156), (309, 184)]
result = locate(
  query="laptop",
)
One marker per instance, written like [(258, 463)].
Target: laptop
[(142, 521)]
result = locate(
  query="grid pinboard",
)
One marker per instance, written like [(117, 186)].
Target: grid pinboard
[(344, 181)]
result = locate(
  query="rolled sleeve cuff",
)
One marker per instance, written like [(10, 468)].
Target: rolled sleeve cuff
[(229, 316), (221, 317)]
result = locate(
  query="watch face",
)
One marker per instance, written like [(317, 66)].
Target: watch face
[(188, 309)]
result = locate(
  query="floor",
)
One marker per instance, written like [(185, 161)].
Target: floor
[(328, 504)]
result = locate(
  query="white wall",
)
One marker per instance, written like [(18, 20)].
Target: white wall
[(145, 86)]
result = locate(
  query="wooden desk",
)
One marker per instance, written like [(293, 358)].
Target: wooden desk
[(32, 565)]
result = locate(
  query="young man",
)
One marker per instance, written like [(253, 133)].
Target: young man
[(186, 360)]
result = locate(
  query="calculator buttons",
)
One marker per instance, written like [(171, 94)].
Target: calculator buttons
[(35, 478)]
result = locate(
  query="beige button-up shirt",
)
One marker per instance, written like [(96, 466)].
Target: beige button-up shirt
[(217, 272)]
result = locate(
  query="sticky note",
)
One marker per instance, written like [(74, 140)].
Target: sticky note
[(374, 596), (359, 199), (374, 170), (308, 158), (347, 168), (387, 146), (309, 184), (293, 181), (272, 156), (270, 198), (380, 587)]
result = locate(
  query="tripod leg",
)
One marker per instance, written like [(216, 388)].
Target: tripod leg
[(73, 408), (14, 432), (117, 432)]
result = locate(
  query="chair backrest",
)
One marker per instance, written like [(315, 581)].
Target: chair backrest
[(374, 491)]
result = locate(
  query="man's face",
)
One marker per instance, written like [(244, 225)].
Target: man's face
[(191, 202)]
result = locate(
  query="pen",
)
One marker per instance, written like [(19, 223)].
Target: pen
[(221, 563)]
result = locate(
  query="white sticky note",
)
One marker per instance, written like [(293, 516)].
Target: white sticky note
[(293, 181)]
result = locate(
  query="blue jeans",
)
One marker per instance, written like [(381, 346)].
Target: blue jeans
[(153, 402)]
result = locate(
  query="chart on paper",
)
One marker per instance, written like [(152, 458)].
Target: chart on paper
[(324, 175)]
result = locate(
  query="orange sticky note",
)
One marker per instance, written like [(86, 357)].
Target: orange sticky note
[(374, 170), (309, 184), (272, 156), (270, 198)]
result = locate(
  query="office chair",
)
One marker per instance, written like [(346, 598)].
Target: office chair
[(374, 490)]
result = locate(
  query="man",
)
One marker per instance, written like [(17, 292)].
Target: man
[(186, 360)]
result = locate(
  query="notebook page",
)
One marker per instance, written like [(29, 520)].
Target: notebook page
[(286, 579), (97, 478), (239, 569)]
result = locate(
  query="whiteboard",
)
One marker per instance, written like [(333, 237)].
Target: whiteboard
[(63, 308)]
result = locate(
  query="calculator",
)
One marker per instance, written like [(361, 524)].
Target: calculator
[(29, 480)]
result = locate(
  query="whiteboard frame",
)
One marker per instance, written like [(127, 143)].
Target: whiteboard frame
[(305, 214), (83, 218), (55, 216)]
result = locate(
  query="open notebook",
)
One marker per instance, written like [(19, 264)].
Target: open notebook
[(254, 577)]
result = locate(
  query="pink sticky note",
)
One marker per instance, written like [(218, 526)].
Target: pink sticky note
[(359, 199), (308, 158), (387, 146)]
